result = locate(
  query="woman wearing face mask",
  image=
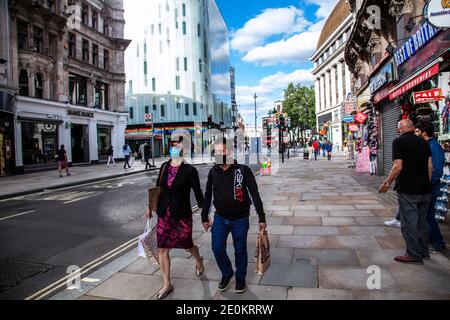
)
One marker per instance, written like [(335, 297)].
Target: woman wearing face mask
[(174, 227)]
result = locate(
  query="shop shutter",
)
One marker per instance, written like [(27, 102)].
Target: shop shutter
[(390, 117)]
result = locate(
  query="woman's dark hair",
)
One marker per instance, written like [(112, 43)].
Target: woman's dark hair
[(427, 127), (62, 146)]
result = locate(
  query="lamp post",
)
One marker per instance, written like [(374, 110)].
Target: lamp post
[(256, 131)]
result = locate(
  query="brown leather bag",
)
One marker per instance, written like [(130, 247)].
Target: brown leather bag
[(155, 193)]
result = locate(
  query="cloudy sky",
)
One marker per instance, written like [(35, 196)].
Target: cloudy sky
[(271, 42)]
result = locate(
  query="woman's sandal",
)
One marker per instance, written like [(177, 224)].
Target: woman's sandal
[(199, 273), (163, 294)]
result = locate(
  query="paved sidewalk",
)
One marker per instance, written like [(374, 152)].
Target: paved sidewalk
[(17, 185), (326, 228)]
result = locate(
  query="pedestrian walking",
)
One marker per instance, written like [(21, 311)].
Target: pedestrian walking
[(231, 185), (310, 149), (63, 163), (127, 153), (329, 149), (323, 147), (142, 151), (175, 221), (147, 151), (425, 130), (111, 156), (412, 171), (316, 149)]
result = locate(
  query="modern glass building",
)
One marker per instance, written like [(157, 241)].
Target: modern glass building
[(177, 68)]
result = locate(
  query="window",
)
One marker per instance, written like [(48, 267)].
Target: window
[(199, 31), (145, 67), (152, 29), (94, 20), (146, 109), (177, 82), (186, 109), (38, 86), (160, 28), (106, 27), (23, 83), (22, 35), (145, 49), (130, 86), (101, 95), (85, 51), (163, 114), (38, 40), (183, 8), (154, 84), (194, 108), (106, 59), (72, 45), (77, 90), (184, 28), (131, 113), (177, 62), (178, 105), (200, 67), (84, 13), (154, 107), (95, 55), (185, 64)]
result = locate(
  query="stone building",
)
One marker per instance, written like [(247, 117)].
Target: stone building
[(67, 66), (331, 73)]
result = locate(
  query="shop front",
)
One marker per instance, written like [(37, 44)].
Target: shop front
[(104, 140), (324, 125), (6, 133)]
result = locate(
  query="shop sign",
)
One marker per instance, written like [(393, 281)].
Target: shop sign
[(361, 117), (438, 13), (427, 74), (353, 128), (385, 75), (138, 134), (148, 119), (382, 94), (79, 113), (420, 38), (348, 119), (428, 96)]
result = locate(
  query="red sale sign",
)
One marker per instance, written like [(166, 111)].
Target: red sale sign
[(353, 128), (428, 96), (361, 117)]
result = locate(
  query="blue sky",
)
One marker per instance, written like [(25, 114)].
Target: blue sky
[(271, 42)]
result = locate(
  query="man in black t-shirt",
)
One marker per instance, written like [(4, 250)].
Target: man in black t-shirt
[(412, 173)]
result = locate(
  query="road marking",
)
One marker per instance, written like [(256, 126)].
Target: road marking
[(17, 215)]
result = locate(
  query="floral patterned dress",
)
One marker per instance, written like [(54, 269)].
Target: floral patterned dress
[(172, 233)]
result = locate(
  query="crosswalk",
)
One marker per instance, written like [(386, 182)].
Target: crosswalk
[(65, 197)]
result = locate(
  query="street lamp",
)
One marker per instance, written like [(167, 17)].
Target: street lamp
[(256, 131)]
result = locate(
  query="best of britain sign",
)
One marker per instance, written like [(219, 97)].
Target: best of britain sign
[(420, 38), (383, 76)]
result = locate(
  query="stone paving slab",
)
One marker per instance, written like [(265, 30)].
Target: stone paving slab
[(343, 257), (296, 275), (254, 292)]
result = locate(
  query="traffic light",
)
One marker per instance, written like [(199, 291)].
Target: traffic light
[(210, 122), (282, 123)]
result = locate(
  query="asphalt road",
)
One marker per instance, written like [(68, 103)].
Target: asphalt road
[(42, 234)]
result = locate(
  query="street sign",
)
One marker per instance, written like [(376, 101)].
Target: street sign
[(348, 119), (148, 119)]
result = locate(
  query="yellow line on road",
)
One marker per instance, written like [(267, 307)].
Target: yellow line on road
[(17, 215)]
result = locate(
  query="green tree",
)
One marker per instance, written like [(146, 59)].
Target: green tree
[(299, 104)]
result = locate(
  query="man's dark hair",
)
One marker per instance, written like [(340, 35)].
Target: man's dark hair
[(427, 127)]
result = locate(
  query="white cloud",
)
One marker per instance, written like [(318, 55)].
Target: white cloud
[(268, 90), (272, 21), (325, 7), (297, 49)]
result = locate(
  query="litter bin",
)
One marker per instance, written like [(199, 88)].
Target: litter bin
[(305, 155)]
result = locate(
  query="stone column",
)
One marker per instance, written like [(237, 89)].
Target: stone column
[(317, 92), (93, 144), (18, 144), (333, 86), (322, 92), (347, 80), (327, 90), (340, 83), (31, 87)]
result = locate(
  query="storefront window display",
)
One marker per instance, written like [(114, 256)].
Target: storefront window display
[(103, 141), (39, 142)]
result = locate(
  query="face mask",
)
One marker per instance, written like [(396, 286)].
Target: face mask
[(221, 158), (175, 152)]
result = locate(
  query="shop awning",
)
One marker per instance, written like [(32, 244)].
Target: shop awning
[(39, 120), (417, 78)]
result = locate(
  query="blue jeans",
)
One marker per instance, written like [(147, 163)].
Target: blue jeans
[(436, 239), (219, 232)]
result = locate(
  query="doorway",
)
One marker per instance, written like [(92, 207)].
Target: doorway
[(80, 143)]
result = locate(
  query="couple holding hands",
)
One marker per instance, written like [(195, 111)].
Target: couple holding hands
[(232, 186)]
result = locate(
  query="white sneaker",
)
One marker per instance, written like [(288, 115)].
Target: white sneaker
[(394, 223)]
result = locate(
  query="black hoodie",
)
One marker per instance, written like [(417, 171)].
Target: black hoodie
[(232, 190)]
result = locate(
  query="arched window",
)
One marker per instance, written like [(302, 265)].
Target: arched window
[(38, 86), (23, 83)]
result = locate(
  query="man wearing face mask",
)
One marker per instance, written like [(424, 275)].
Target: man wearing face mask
[(232, 185)]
